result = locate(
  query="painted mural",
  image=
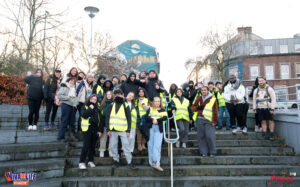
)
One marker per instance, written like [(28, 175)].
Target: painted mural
[(137, 51)]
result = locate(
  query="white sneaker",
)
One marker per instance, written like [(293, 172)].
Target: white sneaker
[(30, 127), (178, 144), (244, 130), (256, 129), (173, 130), (184, 145), (260, 129), (82, 166), (158, 168), (34, 127), (234, 131), (91, 164), (101, 154)]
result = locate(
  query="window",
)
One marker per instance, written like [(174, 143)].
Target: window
[(253, 50), (268, 49), (281, 92), (297, 48), (297, 69), (284, 49), (285, 71), (254, 72), (269, 72)]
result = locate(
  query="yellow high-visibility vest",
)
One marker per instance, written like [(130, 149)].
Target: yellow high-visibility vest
[(182, 109), (221, 100), (156, 115), (141, 109), (133, 118), (207, 111), (85, 122), (163, 99), (99, 89), (170, 98), (118, 121)]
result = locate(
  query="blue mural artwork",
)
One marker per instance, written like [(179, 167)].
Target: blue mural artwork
[(137, 51)]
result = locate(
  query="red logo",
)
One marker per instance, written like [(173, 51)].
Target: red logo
[(281, 179)]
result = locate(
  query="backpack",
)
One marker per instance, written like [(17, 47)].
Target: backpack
[(267, 88)]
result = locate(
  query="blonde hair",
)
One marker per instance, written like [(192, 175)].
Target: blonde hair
[(160, 102)]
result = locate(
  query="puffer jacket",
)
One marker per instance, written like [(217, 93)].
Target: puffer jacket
[(35, 87), (151, 90), (51, 87), (261, 98), (64, 95), (94, 117), (131, 86)]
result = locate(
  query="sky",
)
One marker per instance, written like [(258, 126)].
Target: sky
[(175, 27)]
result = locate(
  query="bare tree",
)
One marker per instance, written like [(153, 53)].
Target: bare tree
[(220, 47), (29, 17)]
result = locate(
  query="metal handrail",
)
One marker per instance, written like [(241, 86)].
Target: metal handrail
[(171, 142)]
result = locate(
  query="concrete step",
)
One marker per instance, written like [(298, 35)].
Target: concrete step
[(180, 171), (44, 168), (20, 123), (32, 151), (198, 160), (211, 181), (53, 182), (220, 151)]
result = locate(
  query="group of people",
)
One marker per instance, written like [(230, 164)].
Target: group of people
[(132, 108)]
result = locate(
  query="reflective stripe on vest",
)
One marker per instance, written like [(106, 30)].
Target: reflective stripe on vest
[(133, 118), (163, 99), (85, 123), (118, 121), (156, 115), (99, 89), (207, 112), (221, 100), (181, 109), (141, 109), (196, 113)]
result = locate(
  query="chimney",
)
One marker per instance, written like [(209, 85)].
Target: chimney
[(246, 30)]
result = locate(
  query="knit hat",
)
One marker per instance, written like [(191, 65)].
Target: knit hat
[(90, 75)]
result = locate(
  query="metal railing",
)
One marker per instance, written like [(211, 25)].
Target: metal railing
[(169, 140)]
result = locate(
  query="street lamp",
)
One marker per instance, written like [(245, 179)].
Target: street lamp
[(44, 42), (92, 11)]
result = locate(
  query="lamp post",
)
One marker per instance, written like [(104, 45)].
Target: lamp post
[(44, 39), (92, 11)]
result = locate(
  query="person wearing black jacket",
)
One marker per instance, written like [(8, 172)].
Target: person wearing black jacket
[(35, 96), (258, 127), (108, 86), (132, 84), (154, 86), (155, 117), (98, 88), (91, 130), (118, 124), (50, 89)]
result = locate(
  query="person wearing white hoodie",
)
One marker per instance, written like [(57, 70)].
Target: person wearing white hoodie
[(234, 95)]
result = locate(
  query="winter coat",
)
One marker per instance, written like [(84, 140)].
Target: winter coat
[(34, 87), (99, 96), (83, 91), (51, 86), (199, 105), (131, 86), (65, 95), (94, 117), (151, 90), (234, 91), (189, 94), (119, 102), (262, 99), (105, 89)]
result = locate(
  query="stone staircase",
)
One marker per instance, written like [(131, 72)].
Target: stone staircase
[(242, 160)]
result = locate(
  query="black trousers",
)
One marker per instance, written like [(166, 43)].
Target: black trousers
[(89, 145), (34, 109), (50, 106), (237, 114), (171, 121)]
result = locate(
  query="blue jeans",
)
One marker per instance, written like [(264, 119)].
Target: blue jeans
[(223, 109), (154, 145), (67, 118)]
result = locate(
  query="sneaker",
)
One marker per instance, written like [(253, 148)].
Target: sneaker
[(212, 155), (184, 145), (91, 164), (34, 127), (101, 154), (227, 128), (30, 127), (144, 147), (244, 130), (140, 148), (234, 131), (219, 127), (173, 130), (46, 127), (260, 129), (52, 126), (178, 144), (82, 166), (115, 164), (271, 136), (256, 128), (158, 168), (203, 155), (132, 166)]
